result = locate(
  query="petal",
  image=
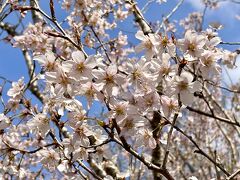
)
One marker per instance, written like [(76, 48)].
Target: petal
[(189, 35), (98, 73), (186, 97), (41, 59), (201, 40), (50, 56), (196, 86), (188, 76), (165, 57), (139, 35), (214, 41), (78, 56), (112, 70), (90, 62), (140, 48), (152, 143)]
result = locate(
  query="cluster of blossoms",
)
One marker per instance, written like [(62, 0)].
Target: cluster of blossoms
[(136, 92)]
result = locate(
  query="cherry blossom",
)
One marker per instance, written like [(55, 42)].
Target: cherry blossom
[(49, 158), (40, 123), (4, 122), (47, 61), (108, 80), (80, 68), (148, 44), (185, 87), (146, 139), (192, 45), (17, 89)]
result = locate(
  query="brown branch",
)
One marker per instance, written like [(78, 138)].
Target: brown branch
[(89, 170), (64, 34), (213, 116), (232, 176), (169, 15), (36, 16), (139, 18), (32, 86), (168, 141), (129, 149), (230, 43)]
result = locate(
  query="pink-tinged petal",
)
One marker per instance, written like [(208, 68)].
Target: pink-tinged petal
[(115, 90), (50, 56), (152, 143), (139, 35), (214, 41), (120, 79), (205, 71), (165, 100), (196, 86), (99, 86), (186, 97), (112, 70), (51, 76), (78, 56), (98, 73), (166, 111), (201, 41), (149, 54), (189, 35), (188, 76), (90, 62), (140, 48), (67, 66)]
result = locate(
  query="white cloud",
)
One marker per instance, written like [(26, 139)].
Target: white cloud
[(224, 14), (224, 8)]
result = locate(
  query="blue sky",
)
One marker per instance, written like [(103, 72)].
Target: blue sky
[(12, 65)]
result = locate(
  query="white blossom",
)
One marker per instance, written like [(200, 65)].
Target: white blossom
[(4, 122)]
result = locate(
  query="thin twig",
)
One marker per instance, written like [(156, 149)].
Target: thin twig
[(231, 177), (89, 170), (146, 6), (146, 28), (199, 150), (169, 15), (169, 140), (213, 116), (230, 43)]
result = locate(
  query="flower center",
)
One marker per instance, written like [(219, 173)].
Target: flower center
[(182, 85), (89, 93), (208, 61), (80, 67), (191, 47), (164, 41), (119, 110), (136, 74), (148, 44), (128, 124), (165, 70), (109, 79)]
